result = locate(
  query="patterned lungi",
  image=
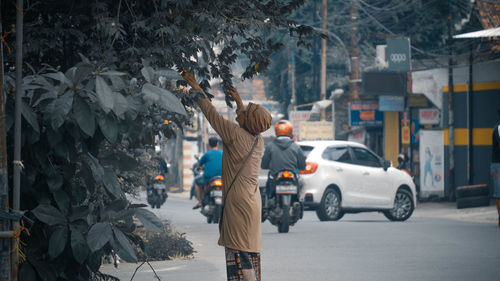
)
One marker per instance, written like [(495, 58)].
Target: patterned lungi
[(242, 266)]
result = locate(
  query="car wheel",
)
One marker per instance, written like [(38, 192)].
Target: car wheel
[(403, 206), (329, 209)]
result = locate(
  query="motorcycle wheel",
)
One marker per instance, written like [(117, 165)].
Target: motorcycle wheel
[(284, 224), (217, 213)]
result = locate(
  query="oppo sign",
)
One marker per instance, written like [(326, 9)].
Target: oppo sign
[(397, 58), (398, 52)]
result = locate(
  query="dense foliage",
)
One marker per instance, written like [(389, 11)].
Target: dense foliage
[(203, 36), (76, 127), (100, 79)]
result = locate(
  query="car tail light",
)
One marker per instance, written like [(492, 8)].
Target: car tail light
[(217, 182), (311, 168)]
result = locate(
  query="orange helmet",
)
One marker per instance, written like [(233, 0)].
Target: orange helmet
[(283, 128)]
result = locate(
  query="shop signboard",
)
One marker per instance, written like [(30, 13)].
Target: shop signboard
[(405, 132), (414, 131), (431, 154), (295, 118), (391, 103), (428, 116), (398, 54), (316, 130), (365, 114)]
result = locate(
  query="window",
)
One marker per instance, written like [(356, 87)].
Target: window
[(365, 157), (340, 154), (306, 149)]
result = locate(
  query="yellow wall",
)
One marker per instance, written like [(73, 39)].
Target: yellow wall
[(480, 136), (391, 133)]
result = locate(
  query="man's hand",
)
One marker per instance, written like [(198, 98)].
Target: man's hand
[(191, 80), (236, 98)]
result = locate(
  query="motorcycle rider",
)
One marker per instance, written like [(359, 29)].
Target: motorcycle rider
[(282, 153), (212, 167)]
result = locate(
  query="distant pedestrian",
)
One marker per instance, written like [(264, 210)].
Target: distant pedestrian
[(495, 165), (240, 229)]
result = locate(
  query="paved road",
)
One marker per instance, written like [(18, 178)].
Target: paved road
[(359, 247)]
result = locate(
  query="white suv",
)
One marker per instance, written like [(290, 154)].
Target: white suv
[(346, 177)]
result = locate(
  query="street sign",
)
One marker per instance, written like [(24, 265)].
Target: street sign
[(398, 54)]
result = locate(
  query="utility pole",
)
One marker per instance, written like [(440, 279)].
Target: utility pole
[(17, 129), (315, 58), (354, 53), (323, 60), (5, 242), (451, 129)]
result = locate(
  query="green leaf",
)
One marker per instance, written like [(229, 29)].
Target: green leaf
[(99, 234), (84, 116), (79, 246), (58, 76), (44, 269), (83, 70), (163, 98), (120, 105), (171, 74), (94, 166), (150, 220), (94, 260), (30, 116), (148, 73), (57, 242), (61, 150), (27, 273), (113, 73), (109, 127), (55, 181), (62, 201), (122, 246), (49, 214), (104, 94), (79, 213), (111, 183), (79, 193), (61, 108)]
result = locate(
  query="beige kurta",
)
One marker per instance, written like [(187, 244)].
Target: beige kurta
[(241, 224)]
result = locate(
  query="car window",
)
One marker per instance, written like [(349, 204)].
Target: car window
[(340, 154), (306, 149), (365, 157)]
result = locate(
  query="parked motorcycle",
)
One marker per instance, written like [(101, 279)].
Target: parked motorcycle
[(283, 208), (196, 172), (212, 200), (157, 192), (402, 163)]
